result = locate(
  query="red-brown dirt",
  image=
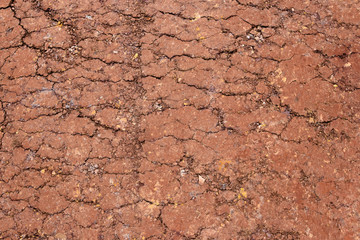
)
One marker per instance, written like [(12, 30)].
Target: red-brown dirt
[(177, 119)]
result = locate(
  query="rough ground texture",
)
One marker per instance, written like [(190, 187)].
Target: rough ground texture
[(177, 119)]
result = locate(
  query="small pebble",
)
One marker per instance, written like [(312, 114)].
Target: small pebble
[(201, 180)]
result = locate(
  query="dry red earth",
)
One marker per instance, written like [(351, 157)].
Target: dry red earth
[(179, 119)]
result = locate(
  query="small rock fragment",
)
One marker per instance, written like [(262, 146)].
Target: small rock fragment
[(201, 180), (60, 236)]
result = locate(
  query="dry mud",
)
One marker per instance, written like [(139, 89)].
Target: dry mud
[(177, 119)]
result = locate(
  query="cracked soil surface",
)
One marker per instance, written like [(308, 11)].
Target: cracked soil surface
[(177, 119)]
